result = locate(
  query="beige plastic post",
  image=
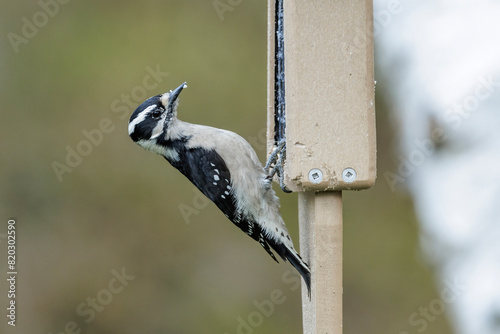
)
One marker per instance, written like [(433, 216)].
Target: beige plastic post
[(320, 218), (330, 132)]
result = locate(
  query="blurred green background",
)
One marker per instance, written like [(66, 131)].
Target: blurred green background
[(117, 211)]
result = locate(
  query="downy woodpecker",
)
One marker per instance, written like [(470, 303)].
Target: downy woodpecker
[(223, 166)]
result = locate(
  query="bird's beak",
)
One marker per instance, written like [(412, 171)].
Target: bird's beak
[(172, 97)]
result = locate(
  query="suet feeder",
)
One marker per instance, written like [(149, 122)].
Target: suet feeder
[(321, 103)]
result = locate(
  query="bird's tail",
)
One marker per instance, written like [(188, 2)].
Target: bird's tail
[(290, 254)]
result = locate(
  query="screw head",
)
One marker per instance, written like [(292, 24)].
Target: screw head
[(349, 175), (315, 175)]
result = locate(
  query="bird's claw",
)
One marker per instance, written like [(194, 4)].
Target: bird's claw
[(276, 160)]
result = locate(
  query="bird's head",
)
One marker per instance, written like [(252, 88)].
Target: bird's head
[(154, 117)]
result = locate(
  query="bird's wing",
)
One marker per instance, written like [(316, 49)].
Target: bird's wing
[(209, 173)]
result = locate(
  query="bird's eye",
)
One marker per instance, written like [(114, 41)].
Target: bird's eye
[(157, 113)]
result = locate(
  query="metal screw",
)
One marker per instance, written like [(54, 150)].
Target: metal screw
[(315, 175), (349, 175)]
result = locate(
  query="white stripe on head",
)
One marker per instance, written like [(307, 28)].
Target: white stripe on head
[(142, 115)]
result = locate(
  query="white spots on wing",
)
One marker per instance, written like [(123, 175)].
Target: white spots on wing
[(214, 183), (211, 164), (224, 197), (226, 192), (262, 241), (228, 187), (250, 229), (216, 177), (237, 218), (217, 171)]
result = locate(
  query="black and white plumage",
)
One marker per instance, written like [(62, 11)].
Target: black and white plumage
[(223, 166)]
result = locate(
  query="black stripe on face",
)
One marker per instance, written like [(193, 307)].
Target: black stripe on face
[(145, 119)]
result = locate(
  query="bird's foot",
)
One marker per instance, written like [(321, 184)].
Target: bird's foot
[(275, 163)]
